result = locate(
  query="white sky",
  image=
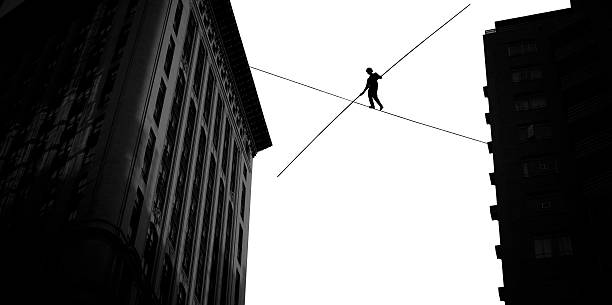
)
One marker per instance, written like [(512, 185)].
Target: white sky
[(378, 210)]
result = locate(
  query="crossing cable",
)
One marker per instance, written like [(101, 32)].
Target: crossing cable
[(353, 101), (364, 105)]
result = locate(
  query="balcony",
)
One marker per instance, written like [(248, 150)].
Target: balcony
[(494, 211), (502, 293), (488, 118), (499, 252)]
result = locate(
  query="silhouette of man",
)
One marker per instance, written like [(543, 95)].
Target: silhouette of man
[(372, 85)]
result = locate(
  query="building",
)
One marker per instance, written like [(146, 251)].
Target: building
[(549, 108), (127, 131)]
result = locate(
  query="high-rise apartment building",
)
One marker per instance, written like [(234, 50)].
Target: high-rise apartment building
[(127, 131), (548, 87)]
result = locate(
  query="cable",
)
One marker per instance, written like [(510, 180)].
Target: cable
[(445, 23), (296, 82), (366, 106), (353, 101), (320, 132)]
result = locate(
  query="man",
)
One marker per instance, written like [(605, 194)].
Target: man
[(372, 85)]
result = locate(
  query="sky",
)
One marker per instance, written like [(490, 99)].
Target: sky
[(378, 210)]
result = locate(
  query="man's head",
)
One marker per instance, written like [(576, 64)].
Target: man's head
[(369, 70)]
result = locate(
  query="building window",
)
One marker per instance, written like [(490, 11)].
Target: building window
[(229, 233), (233, 173), (159, 103), (564, 246), (210, 85), (177, 16), (189, 39), (169, 55), (530, 103), (539, 167), (528, 74), (148, 156), (543, 247), (242, 201), (543, 204), (197, 78), (149, 251), (522, 48), (218, 122), (535, 132), (553, 246), (166, 280), (226, 145), (206, 219), (237, 289), (135, 217), (239, 252)]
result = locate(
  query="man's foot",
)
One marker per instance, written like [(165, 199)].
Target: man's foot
[(381, 107), (372, 107)]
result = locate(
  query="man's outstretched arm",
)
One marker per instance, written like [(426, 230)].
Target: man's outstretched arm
[(364, 89)]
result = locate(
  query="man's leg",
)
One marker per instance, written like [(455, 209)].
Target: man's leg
[(375, 96), (370, 99)]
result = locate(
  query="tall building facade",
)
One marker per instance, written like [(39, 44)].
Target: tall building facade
[(128, 130), (548, 88)]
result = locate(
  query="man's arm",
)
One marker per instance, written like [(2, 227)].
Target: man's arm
[(364, 89)]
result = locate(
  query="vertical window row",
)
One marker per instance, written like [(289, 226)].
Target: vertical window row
[(177, 16), (237, 288), (205, 228), (210, 85), (197, 78), (149, 251), (148, 156), (159, 102), (179, 191), (218, 114), (225, 152), (194, 206), (212, 293), (166, 280), (166, 162), (242, 201), (169, 56), (135, 217), (189, 40), (229, 228), (234, 173), (239, 252)]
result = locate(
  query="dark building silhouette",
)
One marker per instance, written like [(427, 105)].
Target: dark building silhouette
[(127, 131), (548, 87)]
